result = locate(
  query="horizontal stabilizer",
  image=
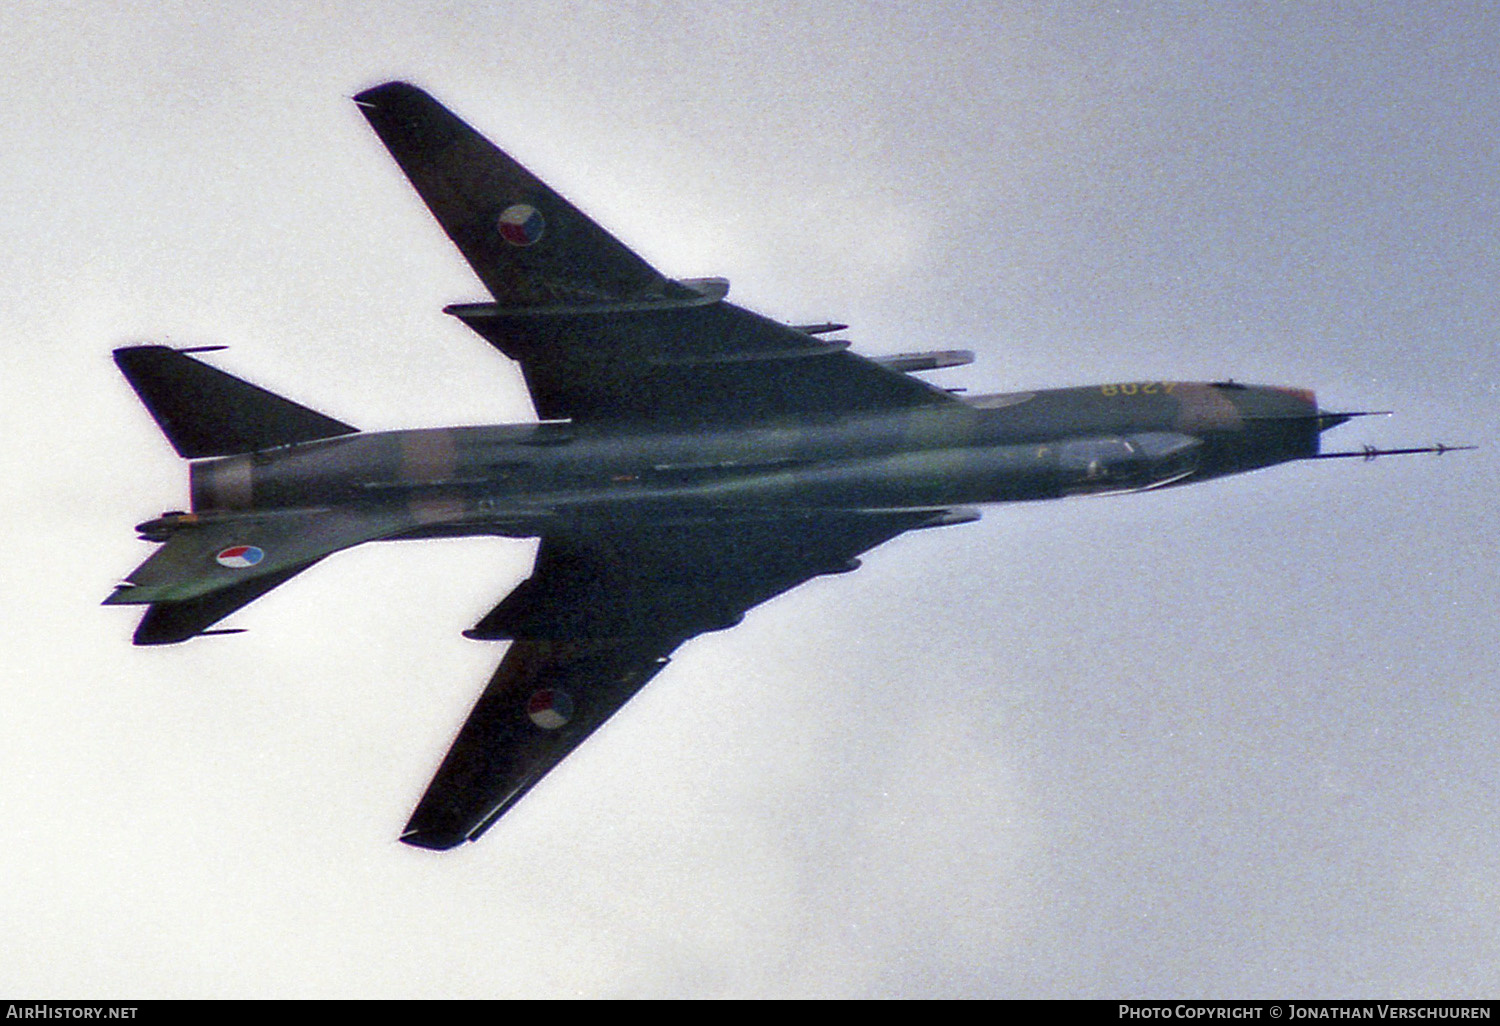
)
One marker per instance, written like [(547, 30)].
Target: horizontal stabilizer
[(209, 568), (212, 554), (205, 412), (167, 623)]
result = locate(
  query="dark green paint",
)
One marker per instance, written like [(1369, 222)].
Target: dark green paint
[(697, 459)]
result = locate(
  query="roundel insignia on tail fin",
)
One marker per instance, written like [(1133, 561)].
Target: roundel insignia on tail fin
[(521, 224), (550, 709), (239, 557)]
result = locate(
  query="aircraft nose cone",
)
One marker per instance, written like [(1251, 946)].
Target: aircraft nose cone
[(1282, 422), (1303, 396), (1272, 402)]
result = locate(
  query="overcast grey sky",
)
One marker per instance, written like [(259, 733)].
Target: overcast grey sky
[(1237, 739)]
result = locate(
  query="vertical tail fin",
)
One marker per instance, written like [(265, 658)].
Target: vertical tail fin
[(206, 412)]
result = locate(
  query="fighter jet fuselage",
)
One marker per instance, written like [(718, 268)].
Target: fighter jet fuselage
[(691, 460), (521, 480)]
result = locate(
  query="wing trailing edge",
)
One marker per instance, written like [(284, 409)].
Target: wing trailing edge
[(167, 623)]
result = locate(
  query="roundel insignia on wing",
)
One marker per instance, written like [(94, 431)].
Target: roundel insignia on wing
[(550, 709), (521, 224), (238, 557)]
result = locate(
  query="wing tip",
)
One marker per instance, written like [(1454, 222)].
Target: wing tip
[(432, 840), (389, 94)]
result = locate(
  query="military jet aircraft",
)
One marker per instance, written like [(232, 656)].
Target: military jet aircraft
[(690, 460)]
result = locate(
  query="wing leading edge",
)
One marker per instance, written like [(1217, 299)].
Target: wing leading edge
[(598, 618)]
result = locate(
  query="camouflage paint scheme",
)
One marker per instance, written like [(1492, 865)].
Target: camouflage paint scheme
[(693, 460)]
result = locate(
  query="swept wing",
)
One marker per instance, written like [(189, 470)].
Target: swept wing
[(597, 619), (601, 335)]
